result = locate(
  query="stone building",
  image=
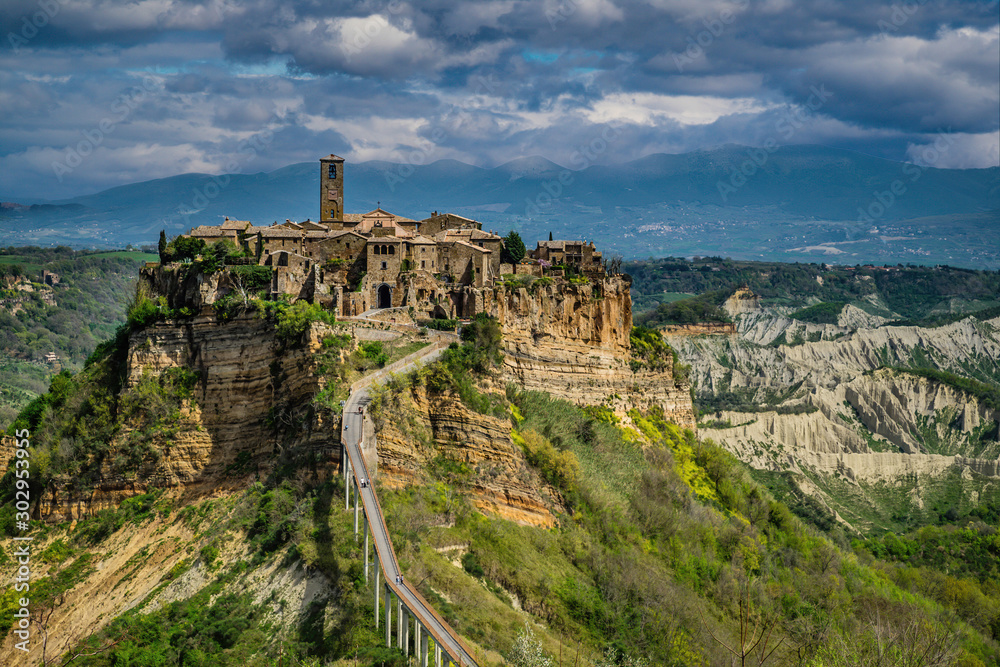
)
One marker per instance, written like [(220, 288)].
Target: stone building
[(583, 256), (353, 262)]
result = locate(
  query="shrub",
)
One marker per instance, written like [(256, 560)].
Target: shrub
[(560, 468), (821, 313), (253, 278), (374, 351), (291, 321)]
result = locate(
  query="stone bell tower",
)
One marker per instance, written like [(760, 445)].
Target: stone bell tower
[(331, 191)]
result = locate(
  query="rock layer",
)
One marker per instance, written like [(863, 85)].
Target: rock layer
[(572, 341), (430, 429)]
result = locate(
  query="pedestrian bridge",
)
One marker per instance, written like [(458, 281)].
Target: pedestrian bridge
[(404, 607)]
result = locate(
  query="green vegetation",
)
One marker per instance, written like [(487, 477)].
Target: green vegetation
[(513, 248), (650, 351), (705, 307), (914, 292), (656, 520), (439, 324), (988, 395), (340, 364), (89, 304), (821, 313), (87, 424), (932, 321)]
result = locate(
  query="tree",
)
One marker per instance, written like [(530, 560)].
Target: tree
[(756, 628), (162, 246), (550, 236), (513, 248), (527, 651), (186, 247)]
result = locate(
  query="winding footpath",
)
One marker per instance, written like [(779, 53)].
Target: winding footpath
[(402, 600)]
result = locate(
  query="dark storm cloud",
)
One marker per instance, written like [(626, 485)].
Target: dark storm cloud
[(484, 81)]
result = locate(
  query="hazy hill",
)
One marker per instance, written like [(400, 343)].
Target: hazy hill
[(796, 203)]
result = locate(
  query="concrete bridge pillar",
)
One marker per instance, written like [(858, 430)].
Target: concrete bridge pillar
[(365, 519), (422, 661), (376, 590), (347, 483), (388, 616), (406, 632), (399, 623), (437, 655), (357, 499), (416, 639)]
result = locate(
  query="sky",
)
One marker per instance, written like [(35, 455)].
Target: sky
[(99, 93)]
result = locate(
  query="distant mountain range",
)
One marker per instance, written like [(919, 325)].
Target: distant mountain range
[(795, 203)]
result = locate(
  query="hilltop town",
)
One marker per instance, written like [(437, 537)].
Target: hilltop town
[(353, 263)]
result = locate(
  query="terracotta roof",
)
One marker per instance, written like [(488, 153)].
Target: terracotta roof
[(343, 232), (449, 215), (422, 240), (470, 245), (331, 156), (559, 244), (235, 224), (206, 230), (470, 234), (280, 233)]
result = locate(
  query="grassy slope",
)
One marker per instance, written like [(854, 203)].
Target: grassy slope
[(90, 302), (662, 538)]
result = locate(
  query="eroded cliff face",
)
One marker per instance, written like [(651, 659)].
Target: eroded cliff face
[(840, 416), (252, 401), (426, 430), (572, 341)]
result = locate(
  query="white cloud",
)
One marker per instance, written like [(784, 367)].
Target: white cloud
[(652, 108), (957, 151)]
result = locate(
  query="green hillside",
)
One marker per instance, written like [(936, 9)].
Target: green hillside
[(665, 551)]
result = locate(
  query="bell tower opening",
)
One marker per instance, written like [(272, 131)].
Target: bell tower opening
[(331, 191)]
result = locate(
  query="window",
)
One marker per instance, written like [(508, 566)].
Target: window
[(423, 264), (332, 171), (392, 250), (383, 265)]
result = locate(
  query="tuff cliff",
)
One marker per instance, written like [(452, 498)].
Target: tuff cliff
[(572, 341), (251, 401), (428, 430)]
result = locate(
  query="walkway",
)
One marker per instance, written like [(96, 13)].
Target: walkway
[(427, 624)]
